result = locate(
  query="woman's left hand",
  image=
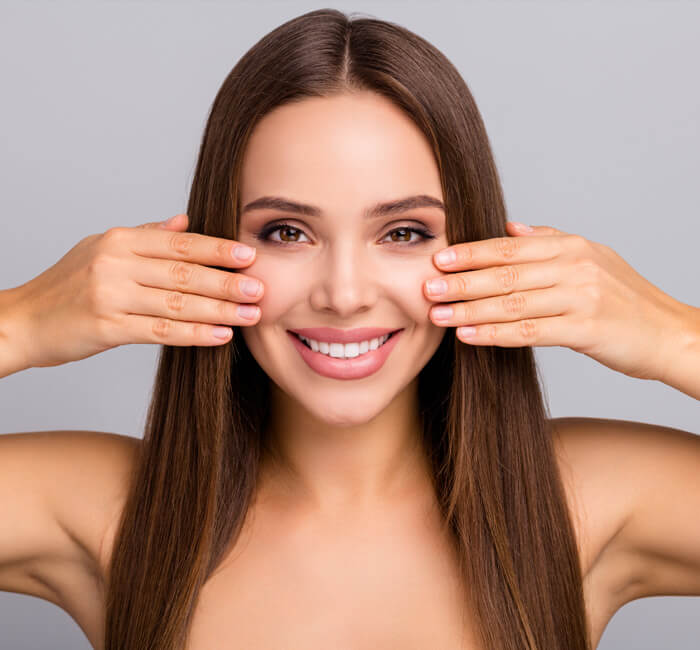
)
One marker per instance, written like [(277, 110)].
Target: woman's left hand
[(548, 287)]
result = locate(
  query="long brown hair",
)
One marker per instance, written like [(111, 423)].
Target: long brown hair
[(483, 411)]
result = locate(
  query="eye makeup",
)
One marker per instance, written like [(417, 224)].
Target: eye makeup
[(268, 229)]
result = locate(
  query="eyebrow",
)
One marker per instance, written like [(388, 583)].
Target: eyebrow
[(384, 209)]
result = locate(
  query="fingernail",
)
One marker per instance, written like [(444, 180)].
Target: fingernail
[(242, 252), (167, 222), (251, 287), (442, 313), (221, 332), (446, 257), (522, 226), (247, 311), (436, 287)]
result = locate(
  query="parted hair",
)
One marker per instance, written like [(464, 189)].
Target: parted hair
[(484, 417)]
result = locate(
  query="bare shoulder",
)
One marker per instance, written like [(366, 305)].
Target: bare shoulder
[(96, 470), (634, 488), (78, 480)]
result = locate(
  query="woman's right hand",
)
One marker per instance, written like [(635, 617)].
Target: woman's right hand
[(142, 284)]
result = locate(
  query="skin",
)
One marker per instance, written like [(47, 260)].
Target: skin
[(345, 504), (342, 444)]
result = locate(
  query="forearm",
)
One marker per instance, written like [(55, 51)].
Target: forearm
[(682, 367), (11, 353)]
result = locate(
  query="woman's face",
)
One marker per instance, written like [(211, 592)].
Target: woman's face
[(339, 269)]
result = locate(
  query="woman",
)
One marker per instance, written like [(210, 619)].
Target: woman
[(413, 494)]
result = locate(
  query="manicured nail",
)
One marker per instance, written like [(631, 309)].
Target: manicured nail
[(251, 287), (242, 252), (221, 332), (169, 221), (436, 287), (522, 227), (442, 313), (247, 311), (446, 257)]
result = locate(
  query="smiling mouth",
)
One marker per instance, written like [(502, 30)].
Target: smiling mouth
[(390, 335)]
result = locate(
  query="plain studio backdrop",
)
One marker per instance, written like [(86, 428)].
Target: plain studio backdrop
[(592, 109)]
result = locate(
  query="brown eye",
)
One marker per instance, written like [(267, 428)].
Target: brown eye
[(405, 234), (288, 229), (291, 234)]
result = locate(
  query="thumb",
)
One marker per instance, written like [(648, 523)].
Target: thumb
[(173, 223)]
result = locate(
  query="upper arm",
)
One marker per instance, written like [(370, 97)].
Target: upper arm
[(58, 490), (651, 476)]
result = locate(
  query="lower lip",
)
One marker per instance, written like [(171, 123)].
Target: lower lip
[(357, 368)]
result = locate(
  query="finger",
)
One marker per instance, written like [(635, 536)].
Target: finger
[(179, 221), (495, 281), (518, 228), (185, 246), (164, 331), (188, 307), (196, 279), (501, 250), (555, 330), (502, 309)]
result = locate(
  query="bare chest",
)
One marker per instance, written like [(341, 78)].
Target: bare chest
[(350, 586), (390, 582)]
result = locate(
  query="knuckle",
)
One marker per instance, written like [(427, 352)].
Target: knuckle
[(491, 332), (576, 243), (181, 242), (507, 247), (465, 254), (181, 274), (196, 331), (514, 303), (460, 284), (224, 311), (507, 277), (528, 329), (223, 250), (469, 313), (113, 236), (229, 285), (161, 328), (175, 301)]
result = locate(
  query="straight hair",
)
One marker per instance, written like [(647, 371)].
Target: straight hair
[(484, 420)]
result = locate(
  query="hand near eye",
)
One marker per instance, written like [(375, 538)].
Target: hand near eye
[(547, 287)]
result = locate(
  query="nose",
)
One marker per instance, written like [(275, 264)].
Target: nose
[(346, 282)]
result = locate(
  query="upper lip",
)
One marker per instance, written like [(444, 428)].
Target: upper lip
[(332, 335)]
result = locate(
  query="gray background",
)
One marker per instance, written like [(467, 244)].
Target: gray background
[(593, 110)]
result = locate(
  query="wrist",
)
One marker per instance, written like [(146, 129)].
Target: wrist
[(681, 369), (12, 350)]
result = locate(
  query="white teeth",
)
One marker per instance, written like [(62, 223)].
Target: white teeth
[(345, 350)]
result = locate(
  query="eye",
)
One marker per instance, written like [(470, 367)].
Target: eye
[(403, 232), (265, 232)]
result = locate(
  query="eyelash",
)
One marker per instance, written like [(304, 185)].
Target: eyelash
[(265, 232)]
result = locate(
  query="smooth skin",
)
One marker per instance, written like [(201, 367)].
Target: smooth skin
[(145, 284), (633, 488), (636, 520)]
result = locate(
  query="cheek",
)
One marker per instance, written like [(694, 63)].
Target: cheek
[(289, 281)]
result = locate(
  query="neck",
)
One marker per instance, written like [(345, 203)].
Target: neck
[(330, 468)]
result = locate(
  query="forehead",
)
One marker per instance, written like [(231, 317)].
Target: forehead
[(353, 148)]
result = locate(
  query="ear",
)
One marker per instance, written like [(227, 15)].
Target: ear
[(516, 228)]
